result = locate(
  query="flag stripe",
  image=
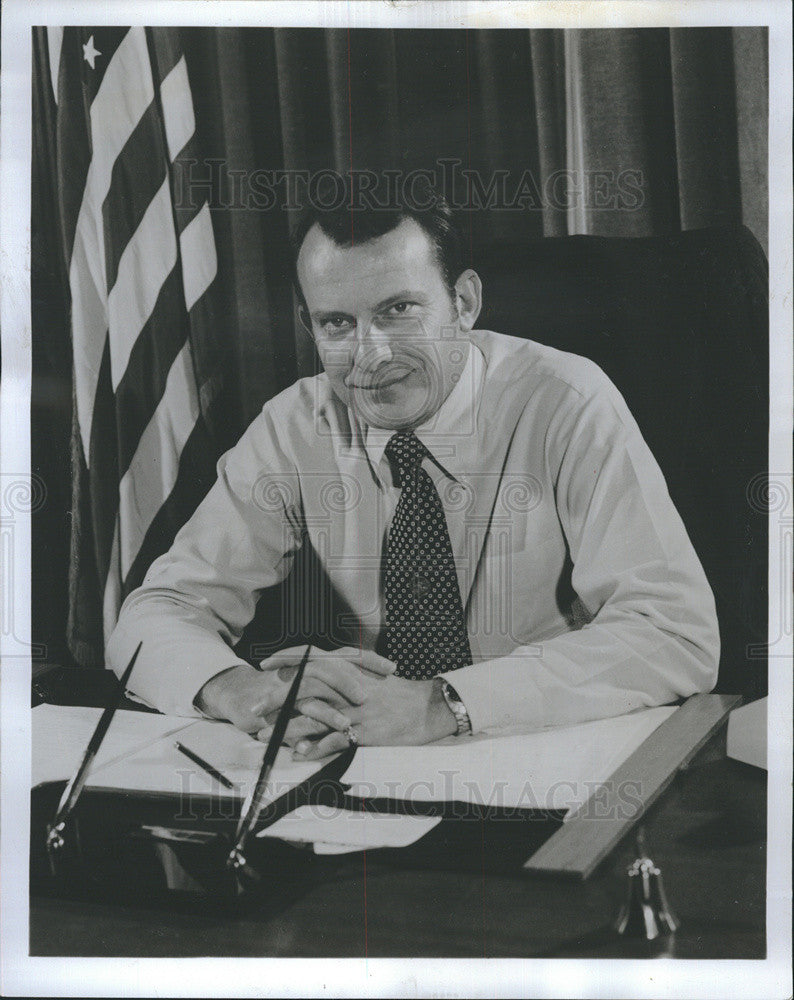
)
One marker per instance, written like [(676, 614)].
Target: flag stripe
[(73, 140), (54, 43), (153, 470), (141, 388), (85, 581), (187, 202), (112, 596), (89, 325), (199, 259), (103, 465), (165, 52), (180, 123), (196, 476), (138, 174), (124, 94), (148, 259)]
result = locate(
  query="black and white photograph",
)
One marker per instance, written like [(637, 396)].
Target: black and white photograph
[(396, 499)]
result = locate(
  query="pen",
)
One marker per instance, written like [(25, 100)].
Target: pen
[(75, 786), (211, 771), (253, 804)]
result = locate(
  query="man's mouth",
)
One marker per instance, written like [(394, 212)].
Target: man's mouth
[(381, 380)]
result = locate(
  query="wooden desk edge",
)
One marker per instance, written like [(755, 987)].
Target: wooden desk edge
[(585, 839)]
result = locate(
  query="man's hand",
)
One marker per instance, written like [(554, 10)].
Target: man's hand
[(392, 712), (332, 683)]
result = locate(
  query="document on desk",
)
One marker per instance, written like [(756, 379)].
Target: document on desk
[(336, 831), (161, 768), (60, 734), (139, 753), (555, 768)]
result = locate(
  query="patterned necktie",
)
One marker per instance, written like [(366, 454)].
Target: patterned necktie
[(425, 627)]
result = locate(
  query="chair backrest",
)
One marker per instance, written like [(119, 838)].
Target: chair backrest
[(680, 325)]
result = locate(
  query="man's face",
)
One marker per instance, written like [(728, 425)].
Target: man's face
[(390, 337)]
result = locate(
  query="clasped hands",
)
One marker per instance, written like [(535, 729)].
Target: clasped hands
[(342, 688)]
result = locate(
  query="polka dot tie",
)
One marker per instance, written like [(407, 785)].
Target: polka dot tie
[(425, 627)]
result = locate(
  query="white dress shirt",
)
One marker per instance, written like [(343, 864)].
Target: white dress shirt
[(582, 593)]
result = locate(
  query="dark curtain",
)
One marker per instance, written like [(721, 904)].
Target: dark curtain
[(610, 132)]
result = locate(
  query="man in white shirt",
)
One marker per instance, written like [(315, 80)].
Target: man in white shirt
[(578, 593)]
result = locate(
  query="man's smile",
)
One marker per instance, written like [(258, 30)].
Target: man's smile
[(380, 381)]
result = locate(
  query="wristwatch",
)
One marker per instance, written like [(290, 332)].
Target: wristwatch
[(456, 706)]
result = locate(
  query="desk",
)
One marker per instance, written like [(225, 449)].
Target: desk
[(707, 834)]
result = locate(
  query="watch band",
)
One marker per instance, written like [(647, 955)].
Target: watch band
[(456, 706)]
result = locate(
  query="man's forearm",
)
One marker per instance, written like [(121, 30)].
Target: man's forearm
[(212, 697), (604, 669), (179, 655)]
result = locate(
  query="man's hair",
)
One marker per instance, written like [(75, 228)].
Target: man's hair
[(350, 223)]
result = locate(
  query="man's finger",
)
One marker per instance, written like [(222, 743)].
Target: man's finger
[(286, 662), (311, 687), (314, 687), (341, 675), (298, 728), (323, 713), (306, 750), (368, 659), (283, 658)]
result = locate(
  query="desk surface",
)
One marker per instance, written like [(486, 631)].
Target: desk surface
[(707, 834)]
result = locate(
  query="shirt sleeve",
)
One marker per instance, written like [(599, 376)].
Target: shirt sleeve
[(197, 598), (651, 634)]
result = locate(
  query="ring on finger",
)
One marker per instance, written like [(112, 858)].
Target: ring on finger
[(352, 739)]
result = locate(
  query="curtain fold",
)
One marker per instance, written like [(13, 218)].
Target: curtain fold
[(620, 129), (704, 108), (547, 51), (751, 78)]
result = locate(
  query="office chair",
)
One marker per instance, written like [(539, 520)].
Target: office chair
[(680, 325)]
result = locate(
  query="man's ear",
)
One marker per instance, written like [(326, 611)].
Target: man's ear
[(303, 316), (468, 296)]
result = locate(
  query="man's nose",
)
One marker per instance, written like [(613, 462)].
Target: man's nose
[(373, 346)]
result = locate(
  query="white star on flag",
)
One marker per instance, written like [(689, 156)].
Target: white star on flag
[(90, 53)]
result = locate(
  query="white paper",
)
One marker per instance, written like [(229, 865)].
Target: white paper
[(160, 767), (61, 733), (557, 768), (334, 831)]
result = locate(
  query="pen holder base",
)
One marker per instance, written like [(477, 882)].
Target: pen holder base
[(64, 852), (191, 861), (645, 914)]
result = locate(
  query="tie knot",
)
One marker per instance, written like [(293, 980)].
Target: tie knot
[(405, 452)]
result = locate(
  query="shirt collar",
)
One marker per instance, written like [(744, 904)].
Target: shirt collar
[(443, 433)]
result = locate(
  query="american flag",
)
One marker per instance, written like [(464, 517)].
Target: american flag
[(140, 270)]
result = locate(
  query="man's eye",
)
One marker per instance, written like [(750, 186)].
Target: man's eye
[(336, 324), (400, 309)]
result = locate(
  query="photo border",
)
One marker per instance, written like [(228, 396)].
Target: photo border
[(24, 975)]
